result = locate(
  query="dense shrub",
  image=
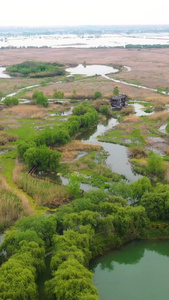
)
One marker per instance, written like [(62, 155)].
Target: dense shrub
[(40, 99), (155, 165), (37, 69), (42, 157), (97, 95), (58, 94), (156, 205), (10, 101), (104, 109)]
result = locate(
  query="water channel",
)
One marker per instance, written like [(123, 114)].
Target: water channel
[(117, 160), (137, 271)]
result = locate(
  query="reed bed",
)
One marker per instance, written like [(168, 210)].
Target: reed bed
[(161, 115), (11, 207), (6, 138), (166, 171), (71, 150), (132, 119), (69, 155), (26, 111), (39, 115), (44, 192), (77, 145), (27, 210)]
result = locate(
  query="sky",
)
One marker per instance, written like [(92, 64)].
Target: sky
[(83, 12)]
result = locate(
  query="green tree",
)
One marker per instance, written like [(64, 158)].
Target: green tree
[(97, 95), (74, 92), (17, 281), (13, 238), (156, 205), (43, 157), (140, 187), (155, 165), (9, 101), (44, 226), (58, 94), (79, 110), (104, 109), (40, 99), (116, 91), (71, 281), (73, 187)]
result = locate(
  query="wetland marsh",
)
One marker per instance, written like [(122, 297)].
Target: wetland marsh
[(76, 147)]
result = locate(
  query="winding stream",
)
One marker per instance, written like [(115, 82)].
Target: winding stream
[(117, 159)]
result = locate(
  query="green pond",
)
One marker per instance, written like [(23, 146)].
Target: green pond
[(139, 271)]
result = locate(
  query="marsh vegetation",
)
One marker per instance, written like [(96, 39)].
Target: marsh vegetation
[(83, 224)]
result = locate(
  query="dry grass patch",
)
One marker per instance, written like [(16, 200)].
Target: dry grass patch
[(69, 155), (77, 166), (76, 145), (26, 111), (167, 150), (97, 103), (6, 138), (162, 115), (39, 115), (137, 152), (166, 165), (132, 119), (126, 128), (128, 110), (71, 150), (10, 120)]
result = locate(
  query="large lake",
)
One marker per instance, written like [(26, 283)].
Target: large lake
[(139, 271), (84, 40)]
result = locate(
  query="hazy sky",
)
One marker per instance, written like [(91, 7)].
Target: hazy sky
[(83, 12)]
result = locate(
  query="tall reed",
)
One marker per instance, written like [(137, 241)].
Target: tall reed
[(44, 192), (10, 208)]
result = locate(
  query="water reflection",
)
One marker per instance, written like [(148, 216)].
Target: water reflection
[(137, 271)]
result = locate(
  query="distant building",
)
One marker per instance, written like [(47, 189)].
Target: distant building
[(118, 101)]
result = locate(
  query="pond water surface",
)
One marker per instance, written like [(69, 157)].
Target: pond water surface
[(91, 70), (3, 74), (139, 271)]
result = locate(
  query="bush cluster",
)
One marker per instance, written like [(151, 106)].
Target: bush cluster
[(37, 69), (40, 99), (10, 101), (34, 151)]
